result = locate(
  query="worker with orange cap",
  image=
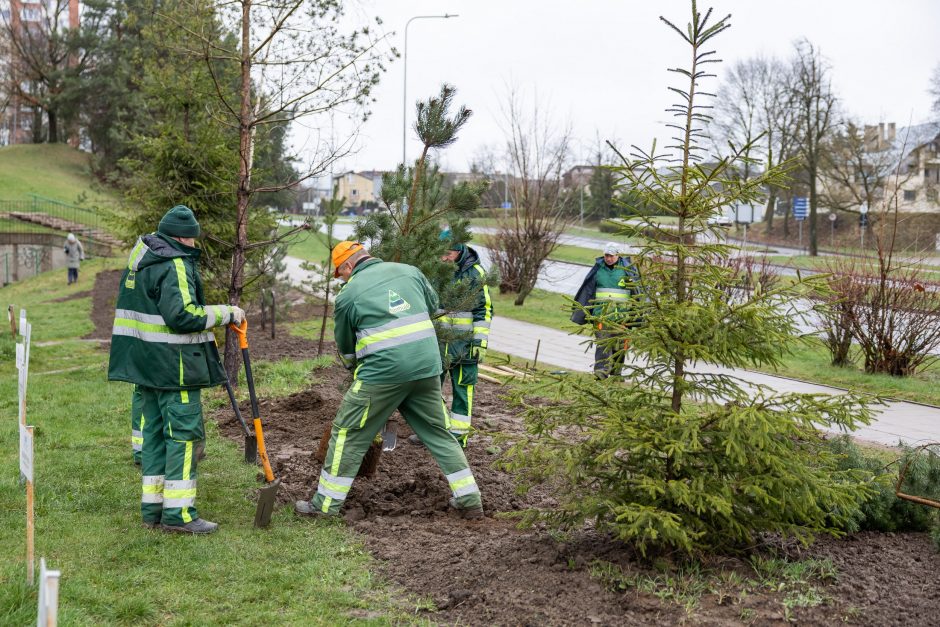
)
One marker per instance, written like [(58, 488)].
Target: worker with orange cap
[(384, 334)]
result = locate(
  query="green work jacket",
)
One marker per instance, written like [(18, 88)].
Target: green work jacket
[(382, 323), (161, 336), (472, 326)]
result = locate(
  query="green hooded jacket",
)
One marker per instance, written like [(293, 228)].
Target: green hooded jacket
[(471, 327), (382, 323), (161, 337)]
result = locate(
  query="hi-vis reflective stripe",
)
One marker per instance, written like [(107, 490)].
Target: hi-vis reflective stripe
[(152, 328), (152, 489), (137, 439), (462, 483), (179, 494), (481, 329), (140, 249), (217, 314), (487, 302), (401, 331), (612, 294), (458, 320), (459, 424), (337, 488), (334, 466), (188, 305)]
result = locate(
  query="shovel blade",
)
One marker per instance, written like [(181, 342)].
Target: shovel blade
[(389, 437), (251, 449), (266, 498)]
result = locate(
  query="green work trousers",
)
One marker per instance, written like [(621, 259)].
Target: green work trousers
[(463, 376), (137, 424), (362, 414), (172, 430)]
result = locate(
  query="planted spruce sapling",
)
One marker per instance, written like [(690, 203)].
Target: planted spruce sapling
[(680, 453)]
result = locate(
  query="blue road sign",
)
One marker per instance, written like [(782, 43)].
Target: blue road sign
[(800, 207), (506, 205)]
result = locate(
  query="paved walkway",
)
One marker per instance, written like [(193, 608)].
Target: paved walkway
[(908, 422)]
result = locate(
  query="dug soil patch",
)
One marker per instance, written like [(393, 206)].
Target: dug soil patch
[(490, 572)]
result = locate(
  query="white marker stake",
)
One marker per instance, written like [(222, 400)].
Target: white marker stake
[(26, 468), (48, 614)]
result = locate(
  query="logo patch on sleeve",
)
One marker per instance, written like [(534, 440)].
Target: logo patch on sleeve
[(397, 304)]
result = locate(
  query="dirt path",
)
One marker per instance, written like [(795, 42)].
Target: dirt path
[(489, 572)]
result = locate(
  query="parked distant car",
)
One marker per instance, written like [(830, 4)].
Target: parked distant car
[(720, 220)]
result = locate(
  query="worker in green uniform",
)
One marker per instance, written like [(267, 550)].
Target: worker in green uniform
[(609, 290), (161, 341), (471, 331), (384, 334)]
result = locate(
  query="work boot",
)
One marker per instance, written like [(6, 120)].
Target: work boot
[(467, 513), (306, 508), (148, 524), (200, 450), (414, 439), (198, 527)]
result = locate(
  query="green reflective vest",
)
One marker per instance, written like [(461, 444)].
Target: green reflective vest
[(161, 336), (382, 323)]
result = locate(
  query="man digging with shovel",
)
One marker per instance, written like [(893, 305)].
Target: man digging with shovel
[(384, 334), (161, 342)]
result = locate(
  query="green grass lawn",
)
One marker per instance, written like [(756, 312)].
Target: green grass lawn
[(308, 245), (548, 309), (811, 362), (87, 504), (50, 170)]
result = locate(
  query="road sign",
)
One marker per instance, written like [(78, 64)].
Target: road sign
[(832, 217), (800, 207), (863, 219), (506, 205), (863, 209)]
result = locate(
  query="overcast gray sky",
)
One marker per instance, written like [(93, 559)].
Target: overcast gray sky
[(601, 64)]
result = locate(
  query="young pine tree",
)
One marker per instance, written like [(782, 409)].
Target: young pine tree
[(680, 453), (417, 206)]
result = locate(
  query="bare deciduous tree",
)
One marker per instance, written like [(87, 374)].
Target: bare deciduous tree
[(538, 150), (295, 59), (856, 168), (815, 103)]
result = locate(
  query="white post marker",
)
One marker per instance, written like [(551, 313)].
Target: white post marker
[(26, 468), (26, 442), (48, 614)]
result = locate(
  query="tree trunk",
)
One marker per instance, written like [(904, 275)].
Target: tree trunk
[(769, 212), (53, 126), (243, 194)]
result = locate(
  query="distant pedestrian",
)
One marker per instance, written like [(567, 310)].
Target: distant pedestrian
[(608, 290), (74, 255)]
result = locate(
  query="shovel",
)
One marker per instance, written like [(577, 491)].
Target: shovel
[(251, 443), (267, 494), (389, 436)]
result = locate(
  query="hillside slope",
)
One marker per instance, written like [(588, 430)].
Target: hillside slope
[(55, 171)]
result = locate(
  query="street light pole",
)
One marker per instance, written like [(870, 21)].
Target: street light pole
[(404, 91)]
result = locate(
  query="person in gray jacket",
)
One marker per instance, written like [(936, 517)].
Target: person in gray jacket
[(74, 255)]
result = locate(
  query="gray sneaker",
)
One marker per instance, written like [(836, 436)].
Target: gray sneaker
[(198, 527), (467, 513)]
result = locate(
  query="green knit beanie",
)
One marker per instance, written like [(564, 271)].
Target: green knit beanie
[(179, 222)]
